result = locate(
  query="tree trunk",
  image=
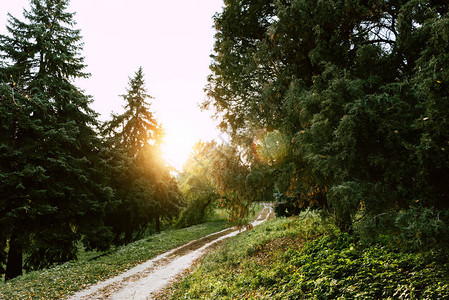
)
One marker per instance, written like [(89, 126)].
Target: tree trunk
[(14, 264)]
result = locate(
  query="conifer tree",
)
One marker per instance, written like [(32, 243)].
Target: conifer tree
[(358, 89), (53, 193), (137, 126), (143, 185)]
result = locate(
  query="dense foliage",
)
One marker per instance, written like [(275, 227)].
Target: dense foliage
[(60, 181), (292, 259), (217, 174), (51, 191), (196, 185), (340, 105)]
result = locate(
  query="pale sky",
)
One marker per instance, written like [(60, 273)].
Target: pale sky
[(171, 40)]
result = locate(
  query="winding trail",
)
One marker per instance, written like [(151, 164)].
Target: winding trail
[(140, 282)]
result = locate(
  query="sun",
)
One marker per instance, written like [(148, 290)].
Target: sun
[(176, 148)]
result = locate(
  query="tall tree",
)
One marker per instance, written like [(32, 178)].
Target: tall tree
[(141, 179), (357, 88), (136, 127), (53, 193)]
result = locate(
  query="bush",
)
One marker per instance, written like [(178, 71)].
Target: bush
[(414, 229), (421, 228), (195, 212)]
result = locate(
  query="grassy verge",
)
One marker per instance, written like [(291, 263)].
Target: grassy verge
[(92, 267), (297, 259)]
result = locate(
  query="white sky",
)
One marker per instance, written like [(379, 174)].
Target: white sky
[(171, 40)]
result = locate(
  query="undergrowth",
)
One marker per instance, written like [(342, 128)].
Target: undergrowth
[(300, 259)]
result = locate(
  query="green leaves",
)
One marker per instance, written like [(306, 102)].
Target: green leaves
[(277, 260), (358, 90)]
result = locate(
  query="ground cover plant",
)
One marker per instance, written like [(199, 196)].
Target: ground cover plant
[(93, 266), (294, 258)]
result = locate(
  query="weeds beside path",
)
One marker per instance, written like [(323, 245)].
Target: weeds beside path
[(299, 258)]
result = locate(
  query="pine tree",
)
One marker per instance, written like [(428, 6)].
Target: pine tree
[(136, 127), (56, 194), (22, 179), (141, 180)]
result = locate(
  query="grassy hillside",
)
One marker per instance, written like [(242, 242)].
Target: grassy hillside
[(300, 259), (63, 280)]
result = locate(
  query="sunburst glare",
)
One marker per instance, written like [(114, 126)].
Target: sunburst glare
[(176, 148)]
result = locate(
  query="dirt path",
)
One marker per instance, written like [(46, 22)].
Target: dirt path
[(145, 279)]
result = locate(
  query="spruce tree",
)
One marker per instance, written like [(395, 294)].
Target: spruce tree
[(140, 178), (56, 194), (136, 127), (23, 180)]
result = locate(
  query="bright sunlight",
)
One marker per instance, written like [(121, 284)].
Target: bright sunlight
[(176, 148)]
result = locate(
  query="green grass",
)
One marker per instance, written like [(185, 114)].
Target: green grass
[(92, 267), (300, 259)]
